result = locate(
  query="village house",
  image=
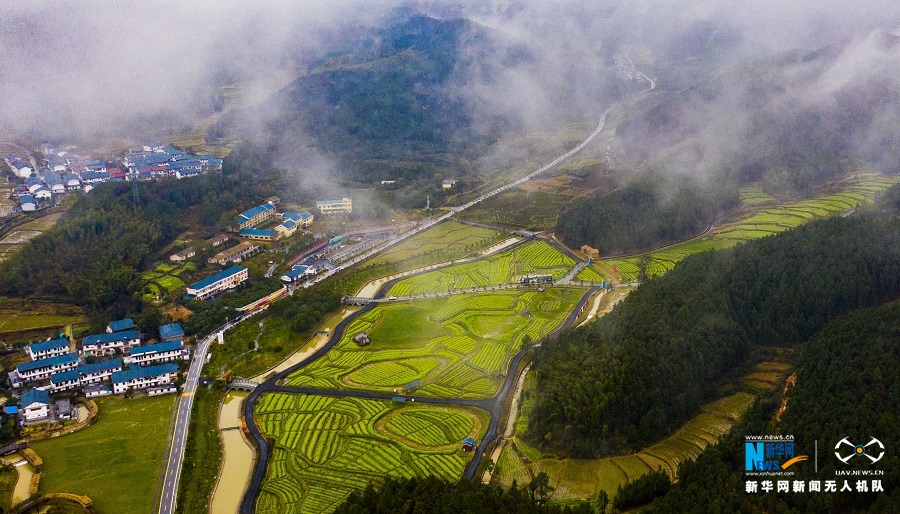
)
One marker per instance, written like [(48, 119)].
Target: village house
[(160, 352), (143, 377), (35, 405), (27, 203), (234, 254), (45, 349), (65, 380), (183, 255), (218, 240), (98, 371), (97, 390), (447, 184), (302, 219), (258, 234), (109, 344), (120, 325), (41, 369), (171, 332), (590, 252), (218, 283)]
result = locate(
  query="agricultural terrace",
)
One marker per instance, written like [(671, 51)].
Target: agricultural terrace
[(445, 241), (584, 478), (454, 347), (764, 221), (164, 279), (754, 194), (534, 257), (116, 461), (325, 448)]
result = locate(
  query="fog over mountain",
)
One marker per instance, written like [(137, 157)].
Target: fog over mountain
[(87, 69)]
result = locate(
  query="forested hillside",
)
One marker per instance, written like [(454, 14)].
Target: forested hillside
[(632, 376), (94, 255), (647, 212), (847, 386)]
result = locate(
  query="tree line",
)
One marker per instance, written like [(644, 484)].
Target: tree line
[(646, 367)]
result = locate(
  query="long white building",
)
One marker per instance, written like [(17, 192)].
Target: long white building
[(218, 283), (41, 369), (143, 377), (160, 352), (344, 205), (109, 344), (46, 349)]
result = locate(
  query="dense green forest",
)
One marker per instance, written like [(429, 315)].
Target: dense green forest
[(94, 255), (433, 495), (645, 367), (847, 386), (647, 212)]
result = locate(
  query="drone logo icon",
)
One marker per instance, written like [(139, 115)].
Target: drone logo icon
[(859, 450)]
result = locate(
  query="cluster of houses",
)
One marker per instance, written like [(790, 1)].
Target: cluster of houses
[(65, 171), (160, 161), (248, 222), (109, 363)]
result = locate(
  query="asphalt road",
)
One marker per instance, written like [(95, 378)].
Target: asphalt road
[(185, 403)]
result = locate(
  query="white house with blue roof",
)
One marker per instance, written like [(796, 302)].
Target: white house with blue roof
[(171, 332), (258, 234), (159, 352), (27, 203), (303, 219), (110, 343), (298, 272), (35, 405), (45, 349), (96, 372), (214, 284), (143, 377), (65, 380), (120, 325), (41, 369)]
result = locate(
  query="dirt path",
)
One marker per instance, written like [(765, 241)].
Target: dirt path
[(509, 429), (594, 307), (316, 342), (238, 458)]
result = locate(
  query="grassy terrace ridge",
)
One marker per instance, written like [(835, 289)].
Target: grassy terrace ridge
[(117, 460), (456, 347), (530, 258), (763, 219), (585, 478), (325, 447)]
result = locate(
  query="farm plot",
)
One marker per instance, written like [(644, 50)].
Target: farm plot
[(534, 257), (164, 279), (754, 194), (456, 347), (769, 219), (325, 448)]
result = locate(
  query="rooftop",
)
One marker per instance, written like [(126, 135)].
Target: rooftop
[(174, 329), (249, 213), (256, 232), (125, 335), (66, 358), (156, 348), (35, 396), (121, 324), (86, 369), (65, 376), (52, 344)]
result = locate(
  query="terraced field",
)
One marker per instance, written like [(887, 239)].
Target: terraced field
[(325, 448), (761, 222), (449, 238), (754, 194), (457, 347), (164, 279), (584, 478), (534, 257)]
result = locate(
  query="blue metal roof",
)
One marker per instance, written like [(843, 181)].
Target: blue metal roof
[(171, 330), (470, 440), (288, 224), (87, 369), (11, 409), (256, 232), (66, 358), (109, 338), (64, 376), (121, 324), (26, 199), (119, 377), (35, 396), (249, 213), (52, 344), (158, 347), (234, 270)]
